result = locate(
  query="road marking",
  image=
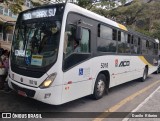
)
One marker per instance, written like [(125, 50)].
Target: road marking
[(124, 101), (142, 103)]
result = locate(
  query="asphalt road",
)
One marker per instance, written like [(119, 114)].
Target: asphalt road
[(123, 98)]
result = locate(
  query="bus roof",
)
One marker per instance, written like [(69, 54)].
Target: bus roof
[(80, 10), (70, 7)]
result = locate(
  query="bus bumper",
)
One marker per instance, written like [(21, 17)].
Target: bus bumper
[(51, 95)]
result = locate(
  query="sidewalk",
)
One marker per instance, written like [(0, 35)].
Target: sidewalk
[(148, 110)]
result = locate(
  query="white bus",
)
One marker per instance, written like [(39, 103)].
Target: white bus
[(62, 52)]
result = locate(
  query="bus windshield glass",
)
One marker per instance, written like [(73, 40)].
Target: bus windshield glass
[(36, 39)]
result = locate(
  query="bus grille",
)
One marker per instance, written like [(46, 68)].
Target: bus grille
[(29, 93)]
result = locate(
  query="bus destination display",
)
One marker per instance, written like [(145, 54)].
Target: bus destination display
[(39, 13)]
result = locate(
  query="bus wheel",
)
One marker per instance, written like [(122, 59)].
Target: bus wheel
[(99, 87), (157, 71), (145, 73)]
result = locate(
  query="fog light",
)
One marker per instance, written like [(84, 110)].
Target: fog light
[(47, 95)]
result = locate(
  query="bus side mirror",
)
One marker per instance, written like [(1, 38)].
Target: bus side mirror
[(78, 33)]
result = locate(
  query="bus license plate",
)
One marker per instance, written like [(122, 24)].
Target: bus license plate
[(22, 93)]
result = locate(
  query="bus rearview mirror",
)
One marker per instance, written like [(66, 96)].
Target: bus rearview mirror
[(78, 33)]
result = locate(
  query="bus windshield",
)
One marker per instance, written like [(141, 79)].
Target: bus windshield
[(35, 43)]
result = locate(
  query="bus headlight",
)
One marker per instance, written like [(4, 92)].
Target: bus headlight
[(48, 81)]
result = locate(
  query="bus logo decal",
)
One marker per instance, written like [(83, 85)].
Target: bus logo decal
[(124, 63), (80, 71), (116, 63)]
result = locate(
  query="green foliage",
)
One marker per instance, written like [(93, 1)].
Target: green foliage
[(143, 31), (35, 3), (140, 16), (84, 3), (105, 5), (123, 2), (156, 33), (127, 14), (14, 5)]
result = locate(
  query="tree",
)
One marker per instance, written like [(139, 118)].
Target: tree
[(156, 33), (16, 5), (85, 4), (140, 16), (123, 2), (127, 14)]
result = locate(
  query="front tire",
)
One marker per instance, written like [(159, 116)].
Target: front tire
[(145, 73), (157, 71), (99, 87)]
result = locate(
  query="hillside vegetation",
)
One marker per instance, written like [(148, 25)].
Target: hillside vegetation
[(139, 16)]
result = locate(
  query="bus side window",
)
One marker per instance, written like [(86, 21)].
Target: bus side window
[(119, 36), (144, 47), (128, 43), (156, 49), (139, 46), (151, 48), (82, 46), (122, 44), (147, 46), (135, 45), (69, 36), (71, 45), (106, 42), (114, 34), (84, 43), (132, 45), (72, 54)]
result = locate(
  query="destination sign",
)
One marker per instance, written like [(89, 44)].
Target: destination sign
[(39, 13)]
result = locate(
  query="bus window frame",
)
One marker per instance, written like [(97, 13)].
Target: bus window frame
[(98, 36), (77, 53)]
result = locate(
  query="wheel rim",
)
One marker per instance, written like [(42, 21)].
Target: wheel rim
[(100, 87)]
